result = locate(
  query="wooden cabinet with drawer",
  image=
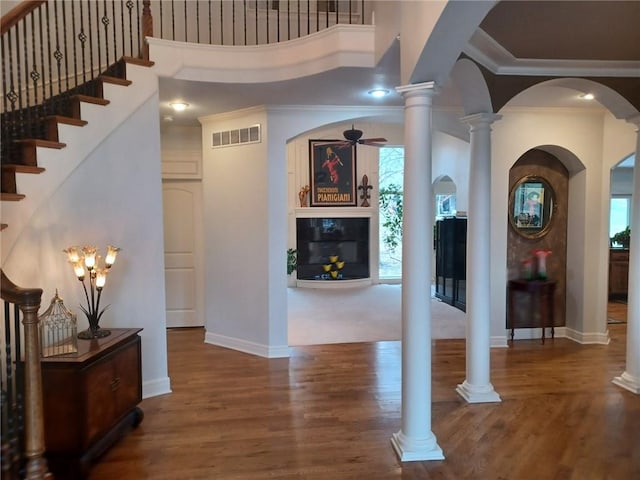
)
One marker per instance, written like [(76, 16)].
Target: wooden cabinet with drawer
[(618, 273), (90, 399)]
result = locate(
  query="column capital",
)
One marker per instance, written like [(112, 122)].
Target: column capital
[(428, 88), (477, 119)]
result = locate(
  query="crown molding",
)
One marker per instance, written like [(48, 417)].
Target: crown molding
[(490, 54)]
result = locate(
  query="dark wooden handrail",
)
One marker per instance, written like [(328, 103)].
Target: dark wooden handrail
[(17, 13), (18, 295)]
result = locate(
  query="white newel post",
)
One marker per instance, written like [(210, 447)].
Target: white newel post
[(630, 379), (415, 440), (477, 387)]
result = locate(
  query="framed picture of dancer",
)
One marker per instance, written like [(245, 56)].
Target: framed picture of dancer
[(332, 173)]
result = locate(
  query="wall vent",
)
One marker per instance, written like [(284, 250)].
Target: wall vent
[(240, 136)]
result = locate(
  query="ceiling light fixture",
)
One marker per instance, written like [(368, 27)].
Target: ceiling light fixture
[(378, 92), (179, 106), (587, 96)]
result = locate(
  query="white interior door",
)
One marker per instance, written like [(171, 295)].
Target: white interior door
[(184, 278)]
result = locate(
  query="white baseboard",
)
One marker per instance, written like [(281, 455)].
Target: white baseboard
[(261, 350), (587, 338), (499, 342), (153, 388)]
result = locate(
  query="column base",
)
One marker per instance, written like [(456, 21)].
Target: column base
[(628, 382), (413, 450), (478, 394)]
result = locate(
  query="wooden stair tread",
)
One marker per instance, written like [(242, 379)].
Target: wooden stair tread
[(11, 197), (67, 120), (114, 80), (88, 99), (39, 142), (51, 122), (22, 168), (138, 61)]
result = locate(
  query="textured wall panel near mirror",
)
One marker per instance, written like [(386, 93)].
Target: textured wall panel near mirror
[(532, 203), (540, 172)]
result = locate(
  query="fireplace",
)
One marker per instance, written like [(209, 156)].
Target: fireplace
[(332, 248)]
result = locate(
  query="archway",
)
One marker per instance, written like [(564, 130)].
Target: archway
[(577, 137)]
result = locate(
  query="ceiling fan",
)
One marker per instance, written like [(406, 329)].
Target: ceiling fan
[(353, 137)]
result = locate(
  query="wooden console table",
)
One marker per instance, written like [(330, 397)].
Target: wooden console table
[(90, 400), (540, 295)]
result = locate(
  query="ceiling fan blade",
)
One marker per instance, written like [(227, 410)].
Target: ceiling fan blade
[(374, 144), (369, 140)]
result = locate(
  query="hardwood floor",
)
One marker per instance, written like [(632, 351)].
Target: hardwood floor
[(328, 413), (617, 311)]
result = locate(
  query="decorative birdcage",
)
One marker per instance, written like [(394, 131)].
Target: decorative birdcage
[(58, 329)]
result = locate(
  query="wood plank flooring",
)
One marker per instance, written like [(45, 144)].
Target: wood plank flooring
[(328, 413)]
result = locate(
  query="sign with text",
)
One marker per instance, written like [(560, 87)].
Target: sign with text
[(332, 173)]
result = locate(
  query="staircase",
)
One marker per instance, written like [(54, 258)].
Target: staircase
[(37, 167), (59, 74)]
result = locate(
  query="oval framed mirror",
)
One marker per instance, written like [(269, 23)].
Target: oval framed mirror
[(531, 206)]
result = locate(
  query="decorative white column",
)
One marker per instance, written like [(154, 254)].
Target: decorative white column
[(477, 388), (630, 379), (415, 440)]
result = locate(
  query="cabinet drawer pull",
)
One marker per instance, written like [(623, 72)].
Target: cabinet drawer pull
[(115, 384)]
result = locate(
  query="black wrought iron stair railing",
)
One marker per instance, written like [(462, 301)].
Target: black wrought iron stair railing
[(53, 51)]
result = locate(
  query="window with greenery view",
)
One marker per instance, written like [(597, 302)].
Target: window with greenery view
[(391, 204)]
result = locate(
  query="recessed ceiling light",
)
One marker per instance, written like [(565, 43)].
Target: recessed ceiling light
[(378, 92), (179, 106), (587, 96)]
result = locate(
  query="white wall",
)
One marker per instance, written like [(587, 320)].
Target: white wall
[(622, 181), (115, 197), (366, 157), (245, 211), (181, 151), (451, 158), (236, 212)]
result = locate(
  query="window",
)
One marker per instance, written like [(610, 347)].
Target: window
[(390, 212), (445, 205), (619, 214)]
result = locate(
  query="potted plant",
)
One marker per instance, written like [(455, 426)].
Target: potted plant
[(622, 238), (292, 266), (292, 260)]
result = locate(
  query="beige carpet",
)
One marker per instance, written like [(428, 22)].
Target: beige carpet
[(366, 314)]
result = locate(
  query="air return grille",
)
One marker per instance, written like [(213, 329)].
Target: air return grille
[(240, 136)]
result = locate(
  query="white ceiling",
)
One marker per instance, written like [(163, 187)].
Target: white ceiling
[(348, 86)]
